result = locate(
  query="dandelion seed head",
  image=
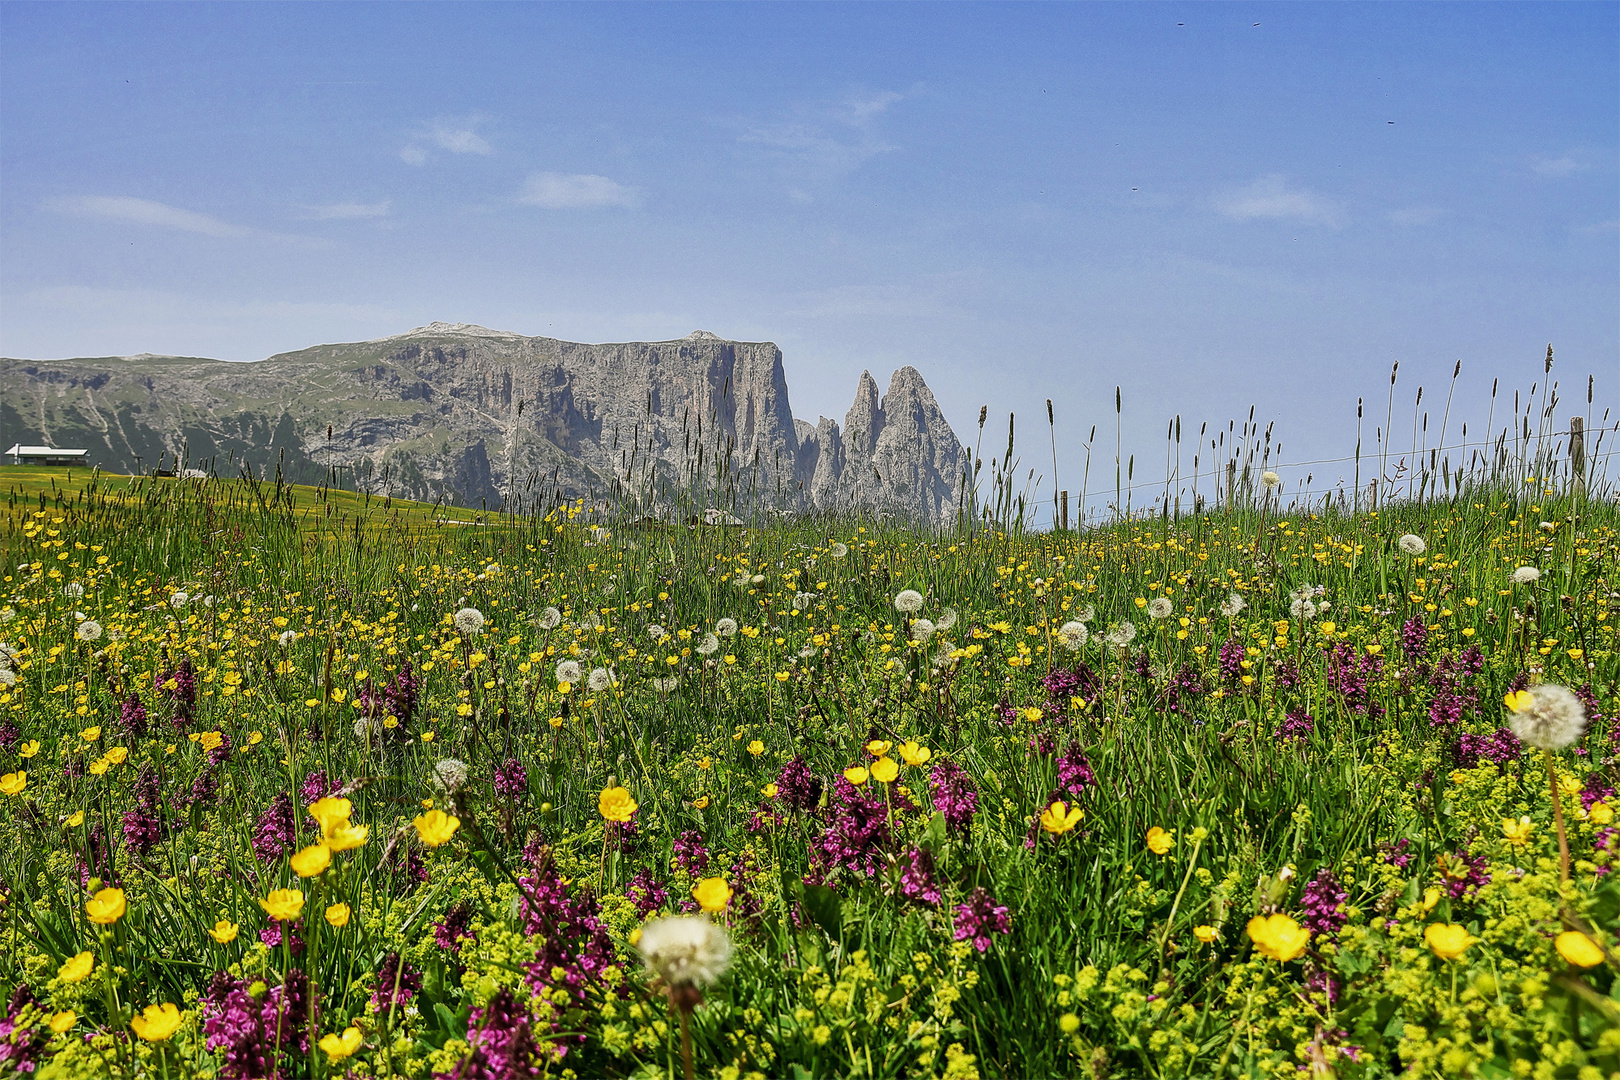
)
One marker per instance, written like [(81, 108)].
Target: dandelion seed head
[(908, 601), (89, 630), (685, 950), (450, 775), (922, 630), (600, 679), (947, 619), (549, 619), (1412, 544), (1270, 479), (1553, 718), (726, 627), (1073, 635), (1526, 575), (1121, 634), (468, 621), (568, 671), (1160, 608), (708, 646)]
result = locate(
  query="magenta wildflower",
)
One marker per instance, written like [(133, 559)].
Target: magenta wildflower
[(512, 779), (954, 795), (500, 1043), (797, 787), (690, 854), (1322, 904), (397, 983), (978, 918), (645, 892), (132, 716), (1297, 726), (455, 928), (917, 882), (275, 832)]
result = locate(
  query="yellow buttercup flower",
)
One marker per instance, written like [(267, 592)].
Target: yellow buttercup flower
[(1431, 897), (1448, 940), (1519, 700), (856, 774), (63, 1021), (1278, 937), (345, 837), (337, 1047), (1206, 934), (283, 905), (28, 749), (756, 747), (1518, 832), (13, 783), (436, 827), (1578, 949), (913, 754), (1601, 813), (90, 734), (99, 767), (1159, 841), (885, 769), (106, 907), (77, 968), (312, 860), (156, 1022), (878, 747), (224, 931), (330, 812), (1059, 819), (338, 915), (616, 804), (712, 894)]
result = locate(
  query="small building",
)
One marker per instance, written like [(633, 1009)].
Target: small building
[(46, 455)]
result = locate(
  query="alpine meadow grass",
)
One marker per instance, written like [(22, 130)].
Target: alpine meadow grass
[(302, 784)]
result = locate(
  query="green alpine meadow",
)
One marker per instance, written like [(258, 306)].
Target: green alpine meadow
[(302, 783)]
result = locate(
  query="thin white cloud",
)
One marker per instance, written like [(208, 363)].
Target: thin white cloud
[(1416, 215), (452, 136), (345, 211), (145, 212), (1555, 168), (1273, 197), (130, 210), (459, 140), (822, 141), (576, 191)]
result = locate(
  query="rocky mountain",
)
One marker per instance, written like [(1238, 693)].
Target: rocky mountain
[(486, 418)]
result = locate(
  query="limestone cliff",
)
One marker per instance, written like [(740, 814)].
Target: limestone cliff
[(488, 418)]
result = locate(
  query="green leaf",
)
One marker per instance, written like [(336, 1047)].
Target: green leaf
[(933, 837), (825, 909)]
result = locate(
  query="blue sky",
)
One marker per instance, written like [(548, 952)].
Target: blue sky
[(1022, 201)]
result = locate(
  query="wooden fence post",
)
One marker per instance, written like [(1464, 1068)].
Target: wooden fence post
[(1064, 512)]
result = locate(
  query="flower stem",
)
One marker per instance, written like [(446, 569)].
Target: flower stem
[(686, 1042), (1558, 817)]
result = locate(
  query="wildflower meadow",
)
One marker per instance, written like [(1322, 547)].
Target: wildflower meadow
[(331, 788)]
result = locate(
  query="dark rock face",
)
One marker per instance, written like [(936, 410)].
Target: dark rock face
[(482, 418)]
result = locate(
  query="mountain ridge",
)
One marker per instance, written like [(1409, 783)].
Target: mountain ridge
[(483, 417)]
